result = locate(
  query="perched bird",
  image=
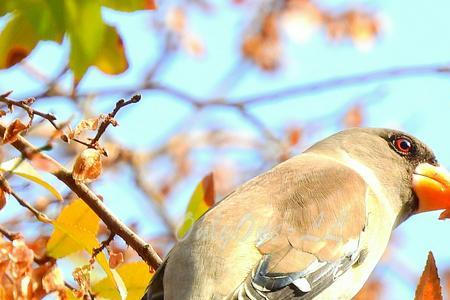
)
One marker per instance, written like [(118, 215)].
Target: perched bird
[(313, 227)]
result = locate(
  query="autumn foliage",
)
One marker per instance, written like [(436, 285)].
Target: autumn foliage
[(60, 169)]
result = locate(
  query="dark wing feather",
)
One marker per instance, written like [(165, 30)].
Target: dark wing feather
[(155, 290)]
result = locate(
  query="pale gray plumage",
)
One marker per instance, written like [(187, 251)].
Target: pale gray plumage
[(312, 227)]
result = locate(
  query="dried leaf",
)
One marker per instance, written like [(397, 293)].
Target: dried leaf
[(176, 20), (2, 199), (354, 117), (35, 287), (115, 259), (201, 200), (13, 130), (300, 19), (53, 281), (21, 258), (294, 135), (264, 47), (88, 165), (429, 287), (193, 45), (82, 276), (89, 124)]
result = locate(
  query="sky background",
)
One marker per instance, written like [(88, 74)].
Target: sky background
[(415, 33)]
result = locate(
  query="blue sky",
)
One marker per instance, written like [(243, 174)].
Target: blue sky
[(417, 34)]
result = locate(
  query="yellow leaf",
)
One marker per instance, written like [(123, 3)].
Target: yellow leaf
[(71, 296), (24, 169), (202, 199), (112, 59), (76, 229), (135, 277)]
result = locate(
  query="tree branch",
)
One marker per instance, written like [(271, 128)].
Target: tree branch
[(297, 90), (145, 251), (337, 82), (110, 117)]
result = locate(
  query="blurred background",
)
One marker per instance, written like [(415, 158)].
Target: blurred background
[(234, 87)]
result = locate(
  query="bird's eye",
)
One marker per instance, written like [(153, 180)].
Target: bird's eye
[(403, 144)]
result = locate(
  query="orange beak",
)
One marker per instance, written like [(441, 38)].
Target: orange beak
[(432, 187)]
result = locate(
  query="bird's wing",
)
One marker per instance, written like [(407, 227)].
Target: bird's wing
[(313, 238), (155, 290)]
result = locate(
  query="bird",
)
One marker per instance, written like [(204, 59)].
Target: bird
[(312, 227)]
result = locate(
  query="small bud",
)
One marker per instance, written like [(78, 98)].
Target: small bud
[(88, 166), (65, 138)]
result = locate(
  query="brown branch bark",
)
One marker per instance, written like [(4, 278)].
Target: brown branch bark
[(296, 90), (145, 251), (110, 118), (337, 82)]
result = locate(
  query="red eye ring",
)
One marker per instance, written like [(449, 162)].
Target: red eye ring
[(403, 145)]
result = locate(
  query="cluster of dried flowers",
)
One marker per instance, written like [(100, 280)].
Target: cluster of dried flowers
[(298, 20), (22, 278)]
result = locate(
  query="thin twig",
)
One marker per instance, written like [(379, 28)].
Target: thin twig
[(103, 245), (25, 105), (40, 260), (110, 117), (39, 215), (296, 90), (145, 251), (337, 82), (166, 52), (9, 234)]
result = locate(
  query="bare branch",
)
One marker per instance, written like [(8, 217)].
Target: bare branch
[(39, 215), (103, 245), (25, 105), (110, 118), (333, 83), (9, 234)]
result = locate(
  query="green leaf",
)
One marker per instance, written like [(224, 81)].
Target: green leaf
[(85, 29), (45, 16), (130, 5), (17, 40), (92, 42), (76, 229), (21, 167), (135, 277), (201, 200), (31, 21)]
